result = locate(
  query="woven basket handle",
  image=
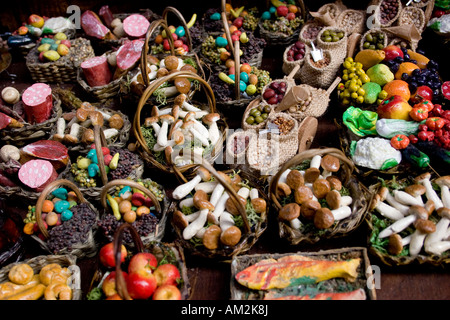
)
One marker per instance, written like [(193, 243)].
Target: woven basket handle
[(132, 184), (121, 285), (100, 141), (230, 190), (47, 190), (300, 3), (333, 85), (183, 23), (154, 26), (305, 155)]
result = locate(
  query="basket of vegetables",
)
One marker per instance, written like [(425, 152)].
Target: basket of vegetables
[(64, 222), (317, 197), (281, 23), (168, 137), (152, 271), (139, 202), (408, 220), (218, 214)]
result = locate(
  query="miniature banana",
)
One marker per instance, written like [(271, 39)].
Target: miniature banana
[(225, 78), (277, 3), (114, 206), (192, 21), (236, 13)]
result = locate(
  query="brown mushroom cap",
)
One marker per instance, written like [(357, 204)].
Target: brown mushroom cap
[(423, 176), (330, 163), (425, 226), (225, 177), (295, 179), (395, 245), (323, 219), (179, 220), (333, 199), (231, 236), (96, 118), (162, 72), (444, 212), (204, 204), (211, 237), (88, 136), (311, 174), (429, 206), (200, 195), (375, 201), (259, 204), (302, 194), (204, 174), (443, 181), (383, 192), (183, 85), (308, 209), (335, 183), (168, 154), (171, 62), (87, 106), (321, 187), (231, 207), (152, 59), (236, 182), (188, 67), (178, 137), (416, 190), (419, 211), (210, 118), (289, 212), (283, 190), (180, 99), (82, 114), (116, 121), (167, 117)]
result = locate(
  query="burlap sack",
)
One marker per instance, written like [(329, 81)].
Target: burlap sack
[(320, 77), (288, 66), (414, 16), (338, 49), (352, 21), (309, 32)]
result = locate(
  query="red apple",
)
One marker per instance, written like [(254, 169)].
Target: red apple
[(141, 285), (36, 21), (392, 52), (114, 297), (107, 257), (166, 44), (282, 11), (422, 92), (238, 22), (109, 284), (167, 274), (167, 292), (394, 108), (177, 43), (234, 37), (142, 261), (290, 16), (66, 43)]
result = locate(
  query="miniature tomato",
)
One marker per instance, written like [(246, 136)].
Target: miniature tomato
[(399, 141), (419, 113), (435, 123), (427, 104)]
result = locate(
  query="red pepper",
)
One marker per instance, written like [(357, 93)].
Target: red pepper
[(423, 127), (437, 110), (446, 114), (435, 123), (425, 103), (399, 141), (419, 113), (413, 138), (426, 135)]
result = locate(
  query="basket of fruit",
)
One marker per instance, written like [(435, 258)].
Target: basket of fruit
[(294, 55), (139, 202), (45, 277), (153, 271), (75, 129), (304, 191), (169, 147), (31, 116), (26, 171), (408, 221), (64, 222), (250, 279), (281, 24), (373, 39), (49, 64), (227, 224), (103, 163)]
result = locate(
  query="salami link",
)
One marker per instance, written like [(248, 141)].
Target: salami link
[(50, 150), (96, 71), (38, 102), (36, 174), (93, 26), (127, 56), (135, 25)]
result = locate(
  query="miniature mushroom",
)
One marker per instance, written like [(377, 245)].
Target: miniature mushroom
[(441, 227), (116, 121), (226, 220), (181, 101), (208, 186), (96, 118), (396, 243), (187, 202), (216, 194), (153, 122), (88, 136), (311, 174), (10, 95), (341, 213), (302, 194), (166, 119), (308, 209), (231, 236), (384, 209), (72, 136), (183, 85), (259, 205), (190, 116), (199, 195), (335, 183), (211, 120), (178, 218), (424, 179), (294, 179), (283, 176), (385, 194), (9, 152), (323, 219), (110, 133), (438, 247), (315, 162), (346, 200), (199, 136), (220, 207), (60, 128), (183, 190), (290, 213), (329, 165), (283, 190), (231, 207), (321, 187), (444, 183), (406, 198), (333, 199), (423, 228), (211, 237), (195, 225), (416, 190), (244, 192), (415, 212), (168, 151)]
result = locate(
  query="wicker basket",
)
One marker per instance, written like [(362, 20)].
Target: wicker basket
[(250, 233), (254, 104), (32, 132), (188, 170), (414, 16), (307, 232), (352, 21), (62, 70), (161, 207), (85, 249), (364, 280), (376, 223), (373, 32), (39, 262), (280, 38)]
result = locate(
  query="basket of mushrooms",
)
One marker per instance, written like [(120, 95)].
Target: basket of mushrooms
[(317, 196), (168, 138), (409, 220), (218, 214)]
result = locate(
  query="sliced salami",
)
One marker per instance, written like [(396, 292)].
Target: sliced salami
[(36, 174), (136, 25), (50, 150), (93, 26), (38, 102), (129, 54), (446, 89), (96, 71)]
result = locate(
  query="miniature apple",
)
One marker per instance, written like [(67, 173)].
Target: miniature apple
[(394, 108), (109, 284), (141, 284), (114, 297), (422, 92), (142, 261), (107, 255), (167, 292), (282, 11), (36, 21), (290, 16), (66, 43), (238, 22), (167, 274), (392, 52)]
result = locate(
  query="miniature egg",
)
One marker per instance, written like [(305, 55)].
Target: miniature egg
[(66, 215), (61, 206), (221, 42), (60, 193)]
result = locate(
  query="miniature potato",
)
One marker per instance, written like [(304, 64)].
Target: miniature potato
[(142, 210), (130, 216), (124, 206)]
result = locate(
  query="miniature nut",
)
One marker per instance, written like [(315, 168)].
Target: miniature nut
[(323, 219), (211, 237)]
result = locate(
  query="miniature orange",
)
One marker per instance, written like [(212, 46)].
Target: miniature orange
[(399, 88), (47, 206), (245, 67), (405, 67)]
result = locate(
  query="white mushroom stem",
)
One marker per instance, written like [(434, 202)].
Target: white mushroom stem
[(195, 225), (216, 194), (417, 239), (244, 192), (183, 190), (346, 201), (431, 194), (159, 148), (75, 130), (198, 114), (110, 133), (447, 234), (406, 199), (254, 193), (208, 187), (200, 233), (60, 128), (295, 223), (445, 196), (397, 205), (438, 248), (226, 220), (188, 202), (220, 207), (162, 134), (397, 226), (199, 136), (191, 217), (441, 229), (283, 176), (388, 212), (201, 128), (190, 107), (341, 213), (406, 240), (106, 115), (315, 162)]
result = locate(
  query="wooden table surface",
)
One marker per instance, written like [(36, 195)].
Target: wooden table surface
[(210, 280)]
